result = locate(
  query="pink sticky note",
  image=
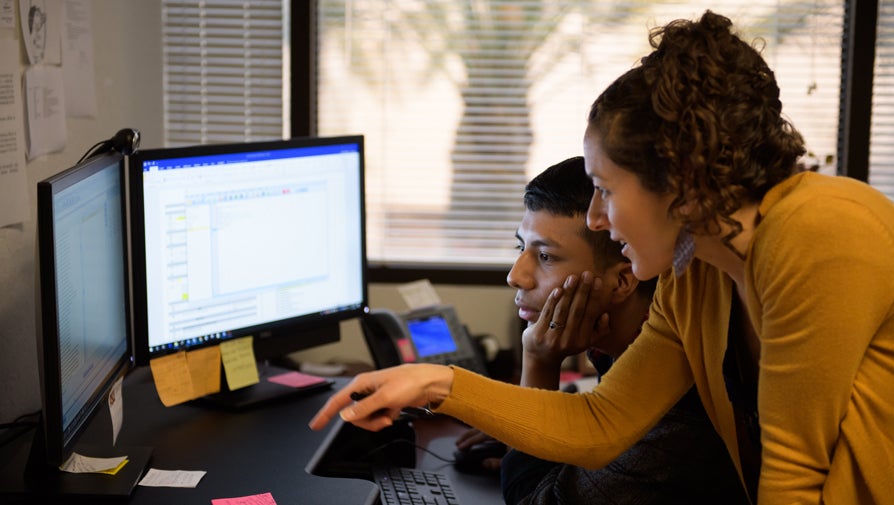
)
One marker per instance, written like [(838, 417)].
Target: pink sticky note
[(569, 376), (296, 379), (257, 499)]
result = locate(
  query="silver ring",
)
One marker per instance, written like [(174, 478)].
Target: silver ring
[(553, 325)]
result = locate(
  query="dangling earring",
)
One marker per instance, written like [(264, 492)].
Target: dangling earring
[(684, 250)]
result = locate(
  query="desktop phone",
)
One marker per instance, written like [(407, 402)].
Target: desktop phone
[(432, 334)]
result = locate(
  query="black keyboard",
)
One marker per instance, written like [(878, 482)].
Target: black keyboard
[(399, 486)]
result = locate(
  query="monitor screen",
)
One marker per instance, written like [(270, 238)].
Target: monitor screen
[(264, 239), (84, 338)]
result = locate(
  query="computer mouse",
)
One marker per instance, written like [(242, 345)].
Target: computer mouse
[(469, 460)]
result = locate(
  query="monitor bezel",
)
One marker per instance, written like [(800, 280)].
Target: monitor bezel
[(56, 448), (271, 340)]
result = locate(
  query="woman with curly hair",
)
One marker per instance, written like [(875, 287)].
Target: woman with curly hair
[(775, 297)]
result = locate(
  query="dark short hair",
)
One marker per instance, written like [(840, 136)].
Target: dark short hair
[(564, 189)]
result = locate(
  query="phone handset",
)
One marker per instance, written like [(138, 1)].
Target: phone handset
[(382, 330)]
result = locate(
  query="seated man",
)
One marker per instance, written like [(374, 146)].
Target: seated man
[(682, 459)]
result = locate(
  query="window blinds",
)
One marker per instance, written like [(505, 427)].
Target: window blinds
[(881, 148), (462, 102), (224, 78)]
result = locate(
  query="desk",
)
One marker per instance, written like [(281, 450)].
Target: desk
[(264, 449)]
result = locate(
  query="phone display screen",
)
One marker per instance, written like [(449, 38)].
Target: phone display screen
[(431, 336)]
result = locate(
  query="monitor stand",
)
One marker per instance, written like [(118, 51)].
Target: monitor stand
[(53, 483), (262, 392)]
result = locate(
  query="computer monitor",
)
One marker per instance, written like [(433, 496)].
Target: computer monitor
[(264, 239), (84, 337)]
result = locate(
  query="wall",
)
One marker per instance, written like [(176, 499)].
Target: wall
[(128, 91), (127, 46)]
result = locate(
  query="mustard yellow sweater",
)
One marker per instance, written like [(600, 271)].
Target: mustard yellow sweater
[(820, 293)]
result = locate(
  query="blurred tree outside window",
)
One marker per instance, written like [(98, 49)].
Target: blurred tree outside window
[(462, 102)]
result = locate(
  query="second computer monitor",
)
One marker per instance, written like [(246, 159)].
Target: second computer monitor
[(264, 239), (84, 327), (84, 337)]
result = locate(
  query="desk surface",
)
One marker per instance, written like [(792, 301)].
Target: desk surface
[(264, 449)]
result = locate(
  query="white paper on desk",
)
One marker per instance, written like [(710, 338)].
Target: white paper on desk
[(419, 294), (14, 201), (78, 463), (116, 408), (171, 478), (45, 102), (77, 60)]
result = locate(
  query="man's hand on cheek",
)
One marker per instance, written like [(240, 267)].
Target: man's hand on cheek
[(570, 321)]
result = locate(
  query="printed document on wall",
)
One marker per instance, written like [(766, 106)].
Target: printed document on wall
[(7, 14), (14, 202), (77, 60), (45, 102), (41, 30)]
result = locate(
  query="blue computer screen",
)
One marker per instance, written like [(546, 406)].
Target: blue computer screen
[(431, 336)]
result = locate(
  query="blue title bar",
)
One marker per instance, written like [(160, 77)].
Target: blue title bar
[(199, 160)]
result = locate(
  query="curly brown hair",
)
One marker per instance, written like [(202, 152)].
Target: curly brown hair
[(700, 119)]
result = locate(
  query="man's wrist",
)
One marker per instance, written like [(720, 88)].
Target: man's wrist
[(538, 372), (542, 362)]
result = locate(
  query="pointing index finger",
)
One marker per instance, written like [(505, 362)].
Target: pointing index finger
[(338, 401)]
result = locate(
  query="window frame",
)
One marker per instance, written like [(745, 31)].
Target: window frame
[(857, 70), (858, 57)]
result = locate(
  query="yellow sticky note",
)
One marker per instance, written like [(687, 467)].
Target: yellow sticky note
[(113, 471), (238, 358), (204, 368), (172, 379)]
